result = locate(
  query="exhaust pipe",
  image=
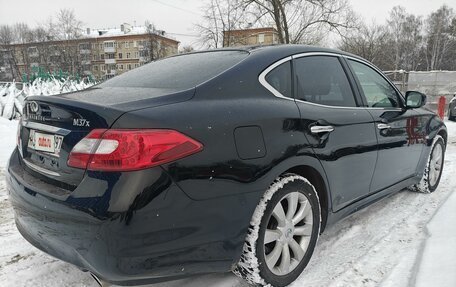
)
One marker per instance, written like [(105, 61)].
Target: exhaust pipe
[(100, 282)]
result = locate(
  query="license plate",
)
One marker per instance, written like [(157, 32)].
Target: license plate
[(44, 142)]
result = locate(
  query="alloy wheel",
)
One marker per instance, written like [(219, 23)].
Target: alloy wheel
[(288, 233), (435, 165)]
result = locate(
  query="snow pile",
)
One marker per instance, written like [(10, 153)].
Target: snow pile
[(8, 141), (12, 98)]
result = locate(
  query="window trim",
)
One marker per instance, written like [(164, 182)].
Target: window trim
[(265, 84)]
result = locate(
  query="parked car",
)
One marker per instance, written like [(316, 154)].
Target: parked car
[(225, 160)]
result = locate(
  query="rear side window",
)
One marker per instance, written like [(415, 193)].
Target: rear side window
[(322, 80), (180, 72), (378, 92), (280, 79)]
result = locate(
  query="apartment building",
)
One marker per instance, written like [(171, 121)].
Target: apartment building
[(247, 37), (102, 53)]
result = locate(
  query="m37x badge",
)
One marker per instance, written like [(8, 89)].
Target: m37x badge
[(81, 123)]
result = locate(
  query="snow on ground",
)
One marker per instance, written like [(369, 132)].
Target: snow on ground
[(404, 240)]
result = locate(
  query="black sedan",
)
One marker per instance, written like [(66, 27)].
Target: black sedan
[(225, 160)]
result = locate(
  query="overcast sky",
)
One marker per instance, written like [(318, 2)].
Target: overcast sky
[(176, 17)]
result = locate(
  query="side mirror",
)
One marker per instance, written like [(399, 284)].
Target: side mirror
[(414, 99)]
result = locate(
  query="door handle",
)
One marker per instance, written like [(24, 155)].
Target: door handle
[(321, 129), (383, 126)]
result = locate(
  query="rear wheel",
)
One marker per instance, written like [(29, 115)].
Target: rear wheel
[(433, 171), (283, 233)]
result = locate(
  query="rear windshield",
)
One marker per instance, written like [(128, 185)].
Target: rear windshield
[(180, 72)]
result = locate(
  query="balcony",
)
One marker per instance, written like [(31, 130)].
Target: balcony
[(110, 61), (84, 51), (109, 46)]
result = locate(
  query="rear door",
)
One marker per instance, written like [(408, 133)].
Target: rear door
[(399, 132), (341, 133)]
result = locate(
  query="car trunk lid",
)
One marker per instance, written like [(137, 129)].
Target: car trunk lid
[(52, 126)]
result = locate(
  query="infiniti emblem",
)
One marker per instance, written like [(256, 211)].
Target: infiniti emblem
[(34, 107), (289, 232)]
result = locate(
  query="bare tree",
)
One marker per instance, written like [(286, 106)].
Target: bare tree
[(406, 34), (371, 42), (153, 49), (304, 21), (439, 39), (7, 52), (67, 26), (23, 33), (6, 35), (221, 16)]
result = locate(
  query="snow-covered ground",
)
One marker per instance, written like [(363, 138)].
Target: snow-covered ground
[(407, 239)]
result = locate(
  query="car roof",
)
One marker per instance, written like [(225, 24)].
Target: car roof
[(284, 49)]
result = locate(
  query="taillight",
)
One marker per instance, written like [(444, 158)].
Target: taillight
[(127, 150)]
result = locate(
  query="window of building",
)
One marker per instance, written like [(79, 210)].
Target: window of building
[(120, 55), (120, 67), (378, 92), (322, 80), (95, 67), (109, 44), (102, 56), (136, 55), (128, 55), (129, 66), (110, 56), (32, 50), (126, 45), (261, 38), (280, 79), (84, 46), (103, 67)]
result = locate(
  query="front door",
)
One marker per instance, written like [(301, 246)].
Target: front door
[(400, 141)]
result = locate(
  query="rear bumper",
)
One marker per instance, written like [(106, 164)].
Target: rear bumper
[(137, 229)]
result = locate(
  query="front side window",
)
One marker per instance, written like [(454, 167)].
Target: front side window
[(280, 79), (378, 91), (322, 80)]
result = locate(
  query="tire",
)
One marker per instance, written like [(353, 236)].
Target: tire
[(434, 168), (292, 233)]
